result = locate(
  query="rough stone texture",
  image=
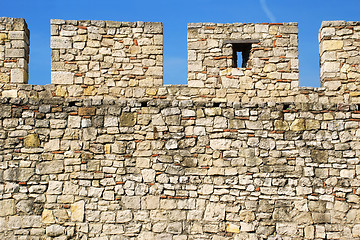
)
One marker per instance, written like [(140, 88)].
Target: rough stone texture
[(14, 50), (240, 156), (107, 55)]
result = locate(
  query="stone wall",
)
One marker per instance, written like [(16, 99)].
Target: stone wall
[(105, 54), (273, 56), (14, 50), (106, 152), (339, 56), (116, 169)]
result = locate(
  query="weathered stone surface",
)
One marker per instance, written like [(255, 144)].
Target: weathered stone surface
[(127, 119), (32, 141), (50, 167), (329, 45), (87, 111), (55, 230), (47, 216), (214, 212), (297, 125), (232, 228), (7, 207), (62, 78), (77, 211), (18, 174)]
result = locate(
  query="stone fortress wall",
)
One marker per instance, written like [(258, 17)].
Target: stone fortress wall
[(107, 152)]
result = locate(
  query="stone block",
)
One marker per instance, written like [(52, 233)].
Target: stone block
[(10, 93), (62, 78), (232, 228), (330, 45), (220, 144), (32, 141), (7, 207), (150, 202), (131, 202), (298, 125), (77, 211), (127, 119), (87, 111), (60, 42), (18, 174), (153, 27), (55, 230), (4, 78), (50, 167), (214, 212), (124, 216), (15, 53)]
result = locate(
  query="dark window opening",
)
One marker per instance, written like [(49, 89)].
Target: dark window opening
[(241, 53)]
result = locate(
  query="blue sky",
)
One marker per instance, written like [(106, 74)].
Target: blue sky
[(175, 15)]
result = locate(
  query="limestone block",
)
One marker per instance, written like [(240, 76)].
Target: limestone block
[(127, 119), (215, 212), (62, 78), (25, 206), (74, 121), (148, 175), (15, 53), (124, 216), (31, 222), (312, 124), (55, 230), (232, 228), (113, 229), (153, 27), (7, 207), (332, 85), (4, 78), (18, 174), (298, 125), (17, 35), (220, 144), (150, 202), (131, 202), (32, 141), (87, 111), (356, 230), (154, 71), (152, 50), (319, 156), (330, 45), (345, 173), (52, 145), (77, 211), (60, 42), (55, 187), (330, 67), (18, 76), (281, 125), (111, 121), (50, 167), (10, 93), (171, 144)]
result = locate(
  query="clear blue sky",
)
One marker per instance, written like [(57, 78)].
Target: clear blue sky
[(175, 15)]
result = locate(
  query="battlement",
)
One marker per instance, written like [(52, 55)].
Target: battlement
[(244, 62)]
